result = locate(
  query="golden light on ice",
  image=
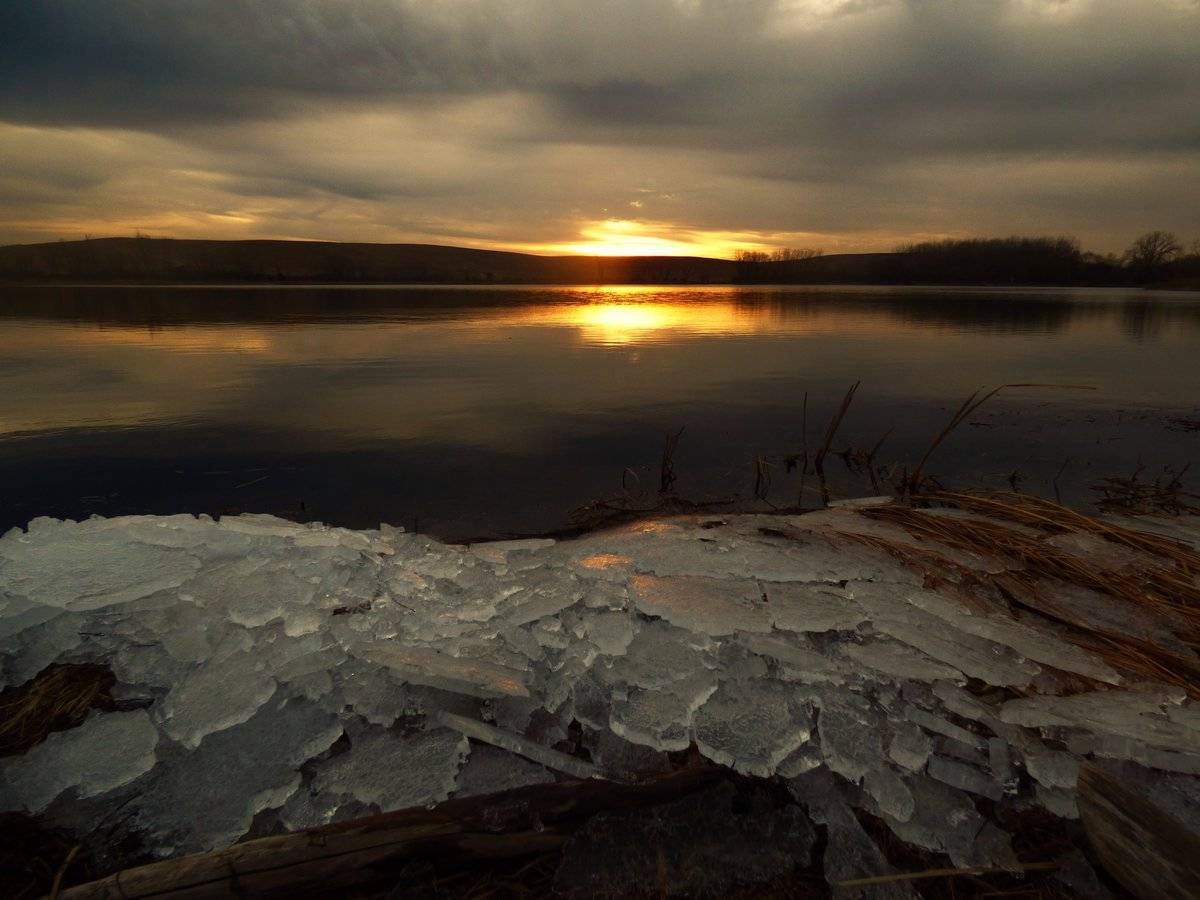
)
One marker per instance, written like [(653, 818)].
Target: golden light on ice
[(602, 561)]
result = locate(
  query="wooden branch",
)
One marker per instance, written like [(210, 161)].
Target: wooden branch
[(948, 873), (334, 860), (1151, 853)]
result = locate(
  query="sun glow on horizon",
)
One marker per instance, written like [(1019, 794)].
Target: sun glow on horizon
[(631, 237)]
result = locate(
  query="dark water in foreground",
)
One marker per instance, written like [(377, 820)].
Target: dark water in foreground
[(492, 411)]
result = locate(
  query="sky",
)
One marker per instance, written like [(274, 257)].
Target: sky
[(585, 126)]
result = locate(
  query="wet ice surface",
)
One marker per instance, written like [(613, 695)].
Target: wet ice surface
[(310, 674)]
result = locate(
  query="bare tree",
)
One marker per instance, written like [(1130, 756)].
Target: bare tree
[(791, 254), (1152, 251), (783, 254), (752, 256)]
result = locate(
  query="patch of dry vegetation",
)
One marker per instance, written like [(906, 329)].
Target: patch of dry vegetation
[(1163, 582), (1139, 494), (60, 697)]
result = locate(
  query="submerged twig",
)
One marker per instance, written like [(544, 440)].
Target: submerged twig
[(762, 478), (667, 468), (1058, 475), (804, 447)]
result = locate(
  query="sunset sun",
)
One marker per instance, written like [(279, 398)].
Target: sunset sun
[(634, 237)]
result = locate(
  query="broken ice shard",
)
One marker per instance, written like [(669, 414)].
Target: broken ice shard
[(105, 752)]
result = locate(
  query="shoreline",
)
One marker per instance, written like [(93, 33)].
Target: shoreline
[(315, 284)]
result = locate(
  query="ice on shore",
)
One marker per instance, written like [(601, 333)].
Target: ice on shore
[(436, 668), (812, 608), (307, 674), (850, 852), (752, 726), (101, 755), (394, 772), (910, 746), (90, 566), (207, 797), (705, 605), (217, 695), (898, 661)]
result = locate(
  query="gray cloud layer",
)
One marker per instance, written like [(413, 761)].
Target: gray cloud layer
[(510, 120)]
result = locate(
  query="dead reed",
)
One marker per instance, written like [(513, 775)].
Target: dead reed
[(667, 465), (804, 450), (834, 424)]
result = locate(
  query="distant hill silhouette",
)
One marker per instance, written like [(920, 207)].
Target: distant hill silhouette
[(156, 259), (1002, 261)]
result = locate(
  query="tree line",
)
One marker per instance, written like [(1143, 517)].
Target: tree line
[(1156, 257)]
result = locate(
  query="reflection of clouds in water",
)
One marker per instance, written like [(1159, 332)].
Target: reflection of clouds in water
[(508, 377), (498, 378), (177, 340), (72, 376)]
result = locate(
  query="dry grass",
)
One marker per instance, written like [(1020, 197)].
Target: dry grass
[(35, 859), (938, 571), (59, 697), (1164, 585), (1055, 518)]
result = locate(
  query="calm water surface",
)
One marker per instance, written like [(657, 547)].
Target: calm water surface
[(474, 412)]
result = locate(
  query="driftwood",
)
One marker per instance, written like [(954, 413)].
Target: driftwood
[(349, 858), (1151, 853)]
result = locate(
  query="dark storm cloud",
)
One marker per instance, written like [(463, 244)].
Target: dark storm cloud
[(124, 62), (837, 67), (776, 105)]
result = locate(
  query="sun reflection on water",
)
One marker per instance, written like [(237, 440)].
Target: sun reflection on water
[(621, 321)]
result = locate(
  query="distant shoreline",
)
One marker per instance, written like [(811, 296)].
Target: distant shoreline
[(1003, 263), (551, 286)]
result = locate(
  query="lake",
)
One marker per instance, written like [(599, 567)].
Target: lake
[(471, 412)]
